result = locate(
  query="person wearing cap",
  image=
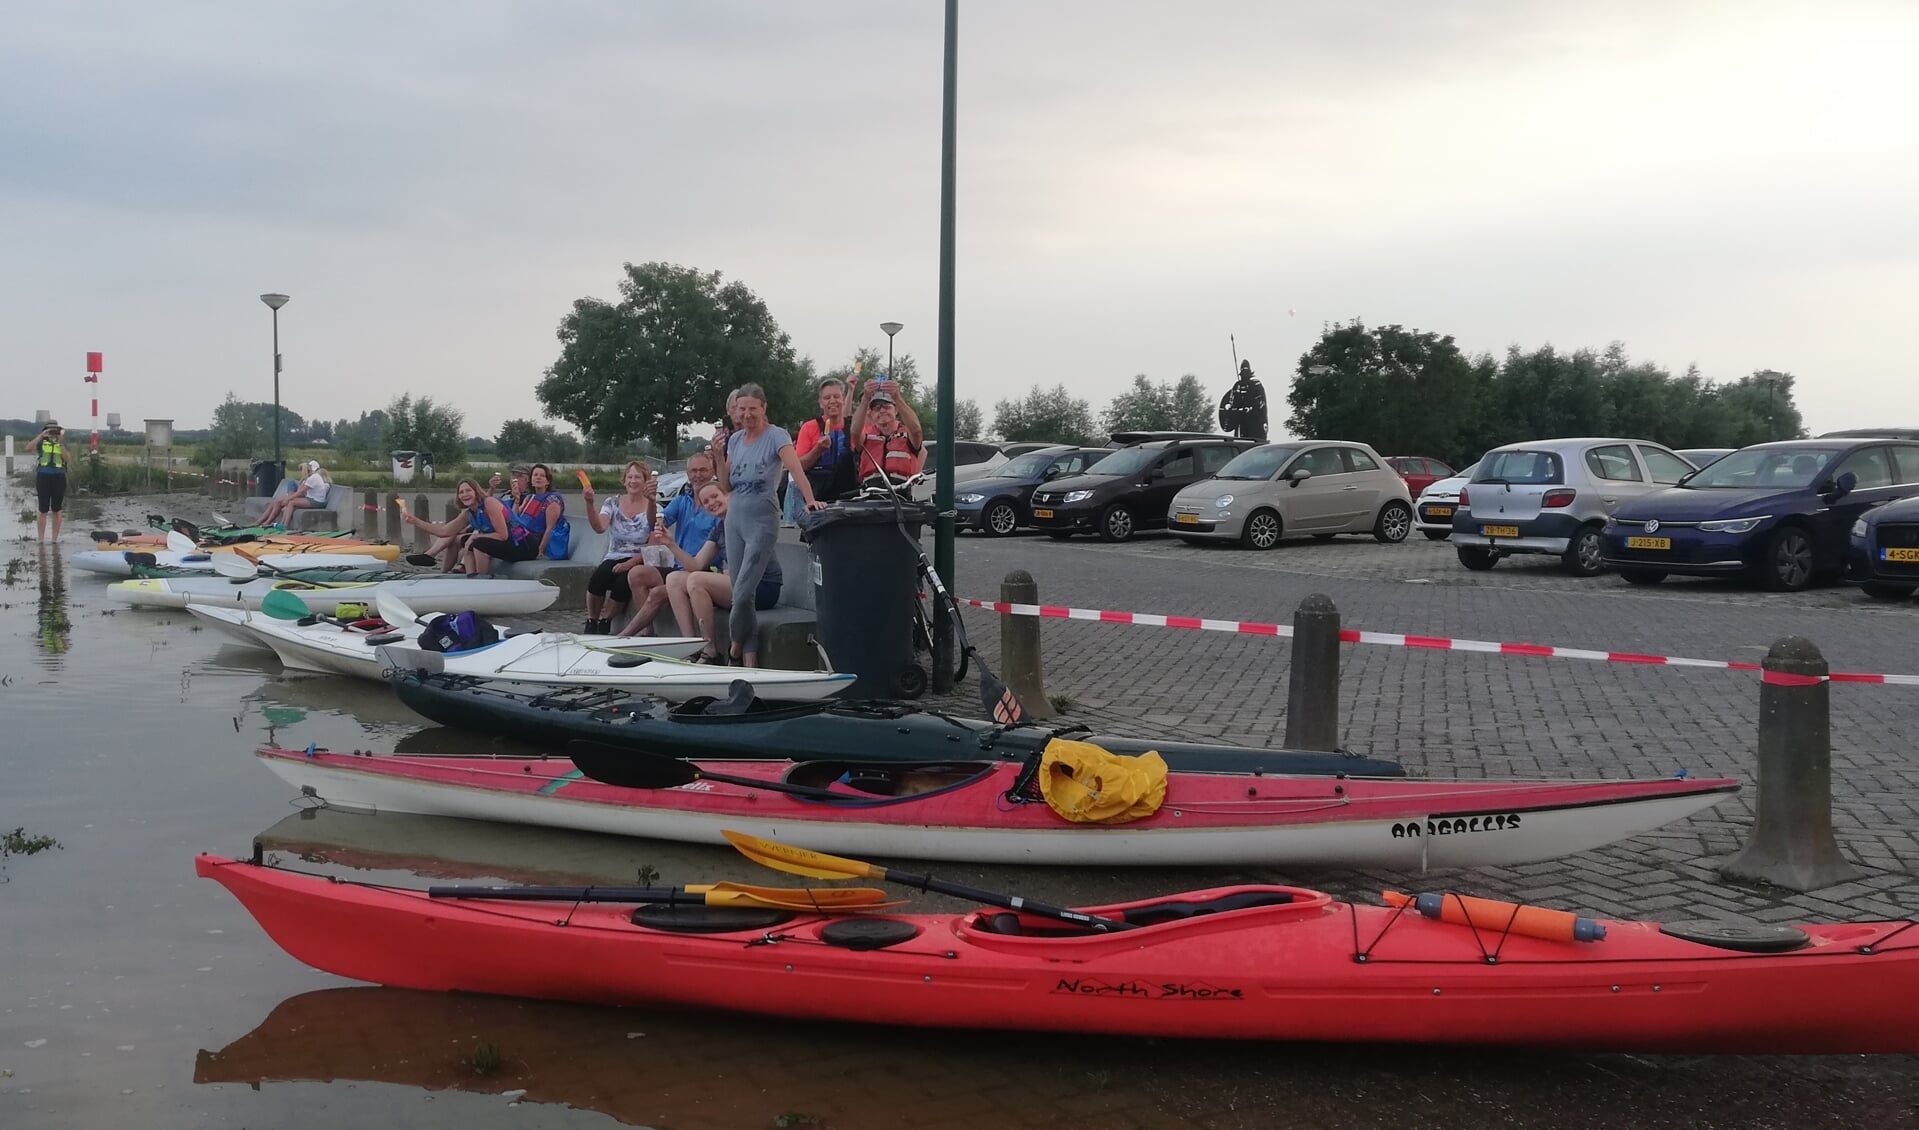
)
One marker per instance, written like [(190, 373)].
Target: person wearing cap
[(891, 439), (50, 476), (311, 492)]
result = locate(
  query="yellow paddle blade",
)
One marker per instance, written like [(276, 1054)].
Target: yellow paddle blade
[(799, 861)]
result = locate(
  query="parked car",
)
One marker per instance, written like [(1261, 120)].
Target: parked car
[(1419, 471), (1433, 509), (998, 504), (972, 459), (1781, 512), (1015, 450), (1884, 553), (1130, 489), (1553, 496), (1319, 487), (1128, 439), (1703, 457)]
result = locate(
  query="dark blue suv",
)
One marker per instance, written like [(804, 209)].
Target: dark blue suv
[(997, 504), (1781, 513), (1884, 557)]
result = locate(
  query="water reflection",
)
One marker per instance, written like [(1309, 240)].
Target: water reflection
[(56, 627)]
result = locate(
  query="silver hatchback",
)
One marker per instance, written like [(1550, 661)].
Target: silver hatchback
[(1553, 496)]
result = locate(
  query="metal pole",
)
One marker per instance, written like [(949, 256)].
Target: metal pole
[(276, 388), (943, 465)]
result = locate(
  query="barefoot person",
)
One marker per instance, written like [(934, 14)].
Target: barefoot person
[(690, 526), (50, 476), (751, 461), (310, 493), (696, 590)]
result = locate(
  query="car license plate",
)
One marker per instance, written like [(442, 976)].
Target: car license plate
[(1499, 531), (1042, 513), (1648, 543), (1910, 556), (1439, 512), (1186, 519)]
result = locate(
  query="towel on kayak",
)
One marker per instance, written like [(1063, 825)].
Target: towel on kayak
[(1088, 785)]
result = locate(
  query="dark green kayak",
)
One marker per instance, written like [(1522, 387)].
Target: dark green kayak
[(745, 728), (230, 535)]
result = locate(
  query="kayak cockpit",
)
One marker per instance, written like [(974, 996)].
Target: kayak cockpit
[(1221, 908), (864, 780)]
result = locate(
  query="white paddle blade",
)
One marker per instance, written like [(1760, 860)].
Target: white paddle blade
[(394, 610), (233, 565), (180, 543), (220, 519)]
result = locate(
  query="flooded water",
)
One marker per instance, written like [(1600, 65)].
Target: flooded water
[(137, 995)]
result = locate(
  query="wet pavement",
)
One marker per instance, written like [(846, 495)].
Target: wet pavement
[(136, 995)]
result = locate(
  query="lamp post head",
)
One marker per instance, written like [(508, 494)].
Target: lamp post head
[(275, 300), (891, 328)]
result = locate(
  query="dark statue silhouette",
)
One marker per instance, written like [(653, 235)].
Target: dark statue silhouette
[(1242, 411)]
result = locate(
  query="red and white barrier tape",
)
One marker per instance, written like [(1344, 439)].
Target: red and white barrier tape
[(1435, 643)]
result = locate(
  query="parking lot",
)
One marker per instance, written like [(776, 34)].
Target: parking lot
[(1466, 714)]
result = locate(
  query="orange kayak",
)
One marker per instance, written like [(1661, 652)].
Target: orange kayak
[(275, 543)]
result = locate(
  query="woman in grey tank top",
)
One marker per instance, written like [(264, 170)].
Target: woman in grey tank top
[(749, 464)]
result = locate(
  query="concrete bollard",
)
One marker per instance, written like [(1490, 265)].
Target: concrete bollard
[(422, 509), (368, 525), (1019, 652), (1312, 696), (395, 529), (1792, 845), (447, 512)]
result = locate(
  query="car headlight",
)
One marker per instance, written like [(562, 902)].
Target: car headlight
[(1223, 501), (1733, 525), (1077, 496), (971, 499), (1859, 529)]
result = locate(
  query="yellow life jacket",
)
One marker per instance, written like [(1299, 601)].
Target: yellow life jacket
[(53, 455), (1088, 785)]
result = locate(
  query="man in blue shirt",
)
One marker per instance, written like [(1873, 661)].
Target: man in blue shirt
[(691, 526)]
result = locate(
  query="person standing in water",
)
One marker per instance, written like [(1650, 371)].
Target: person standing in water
[(749, 463), (50, 476)]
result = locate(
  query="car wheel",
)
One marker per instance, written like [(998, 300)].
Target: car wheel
[(1395, 522), (1584, 557), (1116, 524), (999, 519), (1477, 559), (1786, 565), (1882, 591), (1262, 530), (1437, 535), (1641, 576), (1060, 535)]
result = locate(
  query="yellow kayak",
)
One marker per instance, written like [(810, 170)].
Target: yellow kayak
[(276, 544)]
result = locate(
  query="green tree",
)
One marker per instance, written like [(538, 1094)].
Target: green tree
[(421, 425), (1192, 409), (243, 429), (668, 352), (360, 438), (1406, 392), (524, 441), (1046, 414), (968, 421), (1143, 407)]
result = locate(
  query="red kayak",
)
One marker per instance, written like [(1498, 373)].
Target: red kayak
[(974, 812), (1244, 962)]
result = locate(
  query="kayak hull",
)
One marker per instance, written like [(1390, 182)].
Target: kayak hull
[(114, 562), (1310, 969), (1206, 819), (538, 667), (431, 593), (809, 731), (332, 648)]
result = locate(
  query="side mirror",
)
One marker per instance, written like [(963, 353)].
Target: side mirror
[(1154, 474), (1844, 484), (1297, 476)]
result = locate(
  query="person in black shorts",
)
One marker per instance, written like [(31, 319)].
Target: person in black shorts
[(50, 475)]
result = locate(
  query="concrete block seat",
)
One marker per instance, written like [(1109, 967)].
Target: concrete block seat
[(786, 630), (326, 516)]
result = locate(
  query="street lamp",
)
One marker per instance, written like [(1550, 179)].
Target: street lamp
[(890, 328), (274, 302)]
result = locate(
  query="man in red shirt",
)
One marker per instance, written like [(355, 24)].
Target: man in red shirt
[(891, 438), (822, 446)]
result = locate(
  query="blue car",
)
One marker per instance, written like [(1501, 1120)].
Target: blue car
[(1884, 555), (1780, 513), (997, 505)]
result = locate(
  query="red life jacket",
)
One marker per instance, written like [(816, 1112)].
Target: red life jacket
[(896, 454)]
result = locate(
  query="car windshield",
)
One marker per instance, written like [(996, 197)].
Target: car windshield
[(1259, 463), (1520, 468), (1126, 461), (1777, 467), (1028, 466)]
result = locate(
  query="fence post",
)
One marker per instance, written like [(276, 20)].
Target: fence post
[(1792, 845), (395, 529), (1312, 695), (1019, 659), (422, 509), (368, 527)]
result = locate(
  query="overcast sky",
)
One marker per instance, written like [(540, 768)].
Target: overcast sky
[(1731, 184)]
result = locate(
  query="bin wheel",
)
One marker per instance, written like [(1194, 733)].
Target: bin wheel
[(913, 681)]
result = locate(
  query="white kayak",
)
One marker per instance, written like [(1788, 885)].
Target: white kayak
[(353, 648), (520, 659), (434, 592), (114, 563)]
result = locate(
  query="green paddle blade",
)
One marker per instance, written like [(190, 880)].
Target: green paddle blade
[(283, 605)]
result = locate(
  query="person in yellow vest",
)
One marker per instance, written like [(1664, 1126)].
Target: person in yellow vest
[(50, 475)]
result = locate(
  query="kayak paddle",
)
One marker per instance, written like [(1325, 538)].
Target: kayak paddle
[(819, 865), (394, 610), (820, 899), (235, 566), (180, 543), (632, 769), (283, 605)]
